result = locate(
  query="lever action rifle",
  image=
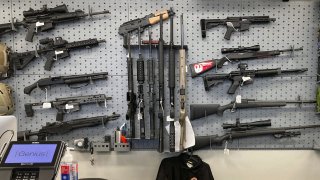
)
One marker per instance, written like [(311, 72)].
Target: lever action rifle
[(131, 96), (161, 85), (233, 24), (151, 93), (69, 80), (51, 50), (142, 23), (244, 77), (182, 116), (67, 105), (172, 84), (281, 132), (202, 110), (67, 126), (202, 67), (140, 79), (45, 19)]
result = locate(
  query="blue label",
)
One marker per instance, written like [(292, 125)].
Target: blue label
[(65, 177)]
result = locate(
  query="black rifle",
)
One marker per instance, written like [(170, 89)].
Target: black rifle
[(67, 105), (131, 96), (238, 126), (161, 85), (45, 19), (69, 80), (140, 79), (142, 23), (44, 11), (202, 110), (52, 50), (244, 77), (207, 141), (240, 49), (67, 126), (233, 24), (202, 67), (172, 84), (151, 93)]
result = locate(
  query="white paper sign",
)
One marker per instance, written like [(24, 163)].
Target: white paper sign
[(69, 106), (38, 24), (238, 99), (46, 105), (58, 52)]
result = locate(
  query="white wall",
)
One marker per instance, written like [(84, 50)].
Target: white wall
[(238, 165)]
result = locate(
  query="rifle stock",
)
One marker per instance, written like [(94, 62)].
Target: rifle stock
[(29, 89), (21, 60), (207, 141)]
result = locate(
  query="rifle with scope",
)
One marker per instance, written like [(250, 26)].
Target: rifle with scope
[(240, 49), (204, 66), (242, 131), (46, 19)]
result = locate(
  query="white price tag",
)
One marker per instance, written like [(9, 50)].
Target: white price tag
[(169, 119), (226, 63), (229, 24), (58, 52), (238, 99), (139, 116), (244, 79), (38, 24), (226, 151), (46, 105), (69, 106), (186, 69)]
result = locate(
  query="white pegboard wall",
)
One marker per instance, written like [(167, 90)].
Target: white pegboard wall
[(296, 24)]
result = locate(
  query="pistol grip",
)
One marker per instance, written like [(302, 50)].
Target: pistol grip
[(234, 86), (30, 33), (49, 63), (29, 110), (59, 116), (230, 30), (28, 89)]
